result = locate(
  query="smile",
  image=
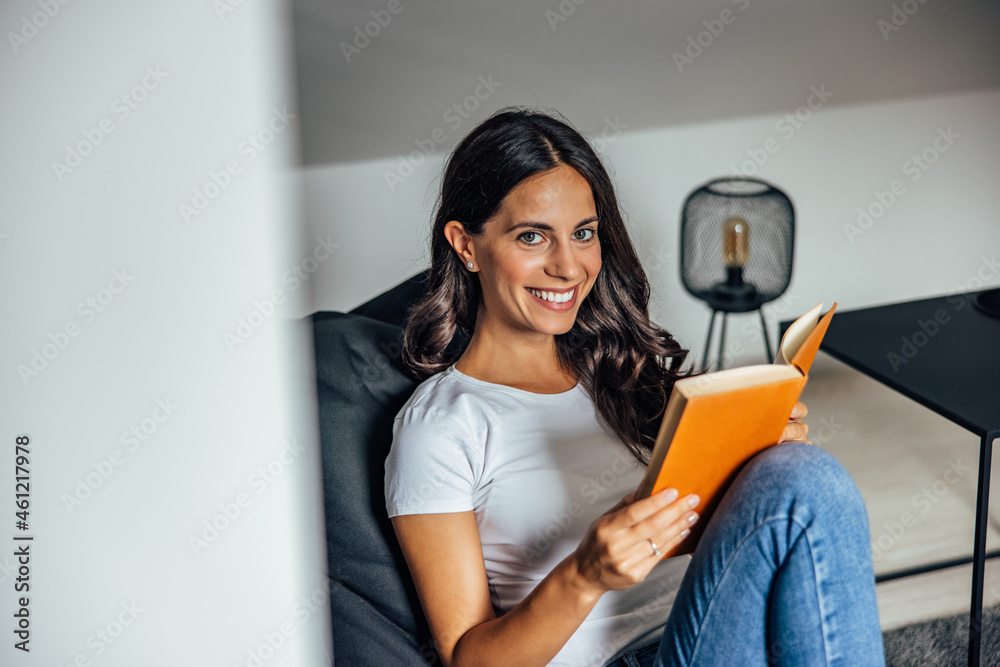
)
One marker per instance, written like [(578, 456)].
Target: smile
[(556, 300)]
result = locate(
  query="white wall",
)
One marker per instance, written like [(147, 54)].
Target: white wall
[(144, 422), (941, 234)]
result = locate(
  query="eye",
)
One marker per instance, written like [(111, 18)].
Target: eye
[(530, 235), (588, 234)]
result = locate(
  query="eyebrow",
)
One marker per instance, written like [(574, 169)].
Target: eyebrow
[(546, 226)]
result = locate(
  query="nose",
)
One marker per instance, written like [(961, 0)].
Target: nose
[(562, 261)]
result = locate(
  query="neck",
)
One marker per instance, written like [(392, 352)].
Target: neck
[(514, 358)]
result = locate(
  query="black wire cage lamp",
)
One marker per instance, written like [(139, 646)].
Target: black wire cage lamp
[(737, 246)]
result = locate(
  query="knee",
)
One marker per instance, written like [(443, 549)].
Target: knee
[(810, 478)]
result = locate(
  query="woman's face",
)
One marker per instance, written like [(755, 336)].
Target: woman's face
[(539, 255)]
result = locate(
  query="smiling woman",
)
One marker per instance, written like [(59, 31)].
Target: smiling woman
[(510, 481), (555, 224)]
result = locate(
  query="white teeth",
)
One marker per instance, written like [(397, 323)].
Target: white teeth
[(552, 296)]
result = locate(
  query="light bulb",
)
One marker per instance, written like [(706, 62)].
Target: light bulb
[(735, 242)]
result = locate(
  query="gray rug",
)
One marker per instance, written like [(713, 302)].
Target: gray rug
[(942, 642)]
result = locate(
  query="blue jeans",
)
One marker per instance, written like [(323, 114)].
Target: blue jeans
[(782, 575)]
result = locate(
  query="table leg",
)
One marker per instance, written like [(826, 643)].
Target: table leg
[(979, 555)]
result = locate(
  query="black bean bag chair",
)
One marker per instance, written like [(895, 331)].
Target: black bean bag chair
[(361, 386)]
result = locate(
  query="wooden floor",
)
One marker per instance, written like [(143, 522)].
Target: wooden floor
[(917, 472)]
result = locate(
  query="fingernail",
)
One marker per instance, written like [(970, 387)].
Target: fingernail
[(685, 533), (670, 495), (693, 500), (691, 517)]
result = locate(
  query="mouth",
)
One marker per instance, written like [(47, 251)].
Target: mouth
[(555, 299)]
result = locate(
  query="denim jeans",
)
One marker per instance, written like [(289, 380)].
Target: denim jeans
[(782, 575)]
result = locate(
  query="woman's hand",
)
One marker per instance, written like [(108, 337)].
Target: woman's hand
[(616, 552), (796, 428)]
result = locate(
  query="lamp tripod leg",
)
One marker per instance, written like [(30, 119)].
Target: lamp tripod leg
[(722, 342), (767, 341), (708, 342)]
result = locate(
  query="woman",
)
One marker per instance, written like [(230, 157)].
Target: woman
[(509, 482)]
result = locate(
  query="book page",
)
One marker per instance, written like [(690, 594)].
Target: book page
[(734, 378), (796, 334)]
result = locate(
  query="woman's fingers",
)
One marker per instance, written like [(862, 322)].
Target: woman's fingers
[(631, 513), (668, 522), (651, 516), (675, 532), (795, 430), (610, 554), (666, 528)]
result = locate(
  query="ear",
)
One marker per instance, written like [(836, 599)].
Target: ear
[(461, 241)]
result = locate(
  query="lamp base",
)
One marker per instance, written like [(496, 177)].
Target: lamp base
[(734, 288)]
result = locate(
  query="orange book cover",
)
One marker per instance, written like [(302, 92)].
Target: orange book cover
[(715, 422)]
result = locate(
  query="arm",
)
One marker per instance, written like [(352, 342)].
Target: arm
[(444, 554)]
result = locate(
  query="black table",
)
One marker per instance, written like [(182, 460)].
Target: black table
[(944, 353)]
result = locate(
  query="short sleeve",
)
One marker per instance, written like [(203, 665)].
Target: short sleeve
[(432, 466)]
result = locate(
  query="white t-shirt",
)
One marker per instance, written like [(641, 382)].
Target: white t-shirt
[(537, 470)]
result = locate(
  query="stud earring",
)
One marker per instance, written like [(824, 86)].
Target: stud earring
[(470, 265)]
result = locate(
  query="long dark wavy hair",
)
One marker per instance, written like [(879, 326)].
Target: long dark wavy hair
[(627, 364)]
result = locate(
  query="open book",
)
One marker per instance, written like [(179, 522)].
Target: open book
[(714, 423)]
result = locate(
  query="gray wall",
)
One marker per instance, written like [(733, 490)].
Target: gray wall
[(942, 234)]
